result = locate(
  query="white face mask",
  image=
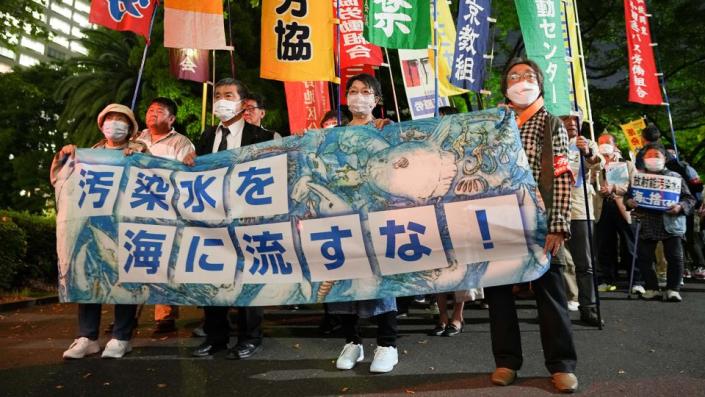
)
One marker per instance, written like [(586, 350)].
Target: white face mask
[(115, 130), (361, 104), (523, 93), (225, 110), (654, 164), (606, 149)]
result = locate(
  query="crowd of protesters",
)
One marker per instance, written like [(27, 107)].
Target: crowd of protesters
[(596, 229)]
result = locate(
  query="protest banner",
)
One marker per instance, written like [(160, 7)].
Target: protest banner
[(419, 83), (632, 131), (194, 24), (123, 16), (471, 45), (446, 50), (542, 28), (306, 103), (189, 64), (643, 81), (656, 192), (349, 213), (354, 49), (398, 24), (617, 173)]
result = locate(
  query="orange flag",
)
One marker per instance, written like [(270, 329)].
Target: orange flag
[(196, 24)]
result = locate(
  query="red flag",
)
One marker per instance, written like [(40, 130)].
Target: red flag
[(306, 102), (132, 15), (643, 84), (354, 48), (189, 64)]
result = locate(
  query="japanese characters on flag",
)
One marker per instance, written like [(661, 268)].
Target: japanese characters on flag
[(573, 50), (134, 15), (355, 50), (419, 83), (446, 47), (656, 192), (542, 28), (188, 64), (194, 24), (343, 214), (398, 23), (297, 41), (471, 45), (643, 83), (306, 103), (632, 131)]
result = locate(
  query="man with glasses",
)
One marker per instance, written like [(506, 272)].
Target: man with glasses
[(253, 109)]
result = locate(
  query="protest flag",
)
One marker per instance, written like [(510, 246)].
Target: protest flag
[(194, 24), (471, 45), (189, 64), (446, 47), (398, 24), (541, 27), (131, 16), (306, 102), (632, 131), (643, 83), (297, 44), (354, 49)]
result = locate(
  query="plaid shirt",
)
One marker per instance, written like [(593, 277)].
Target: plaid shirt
[(532, 132)]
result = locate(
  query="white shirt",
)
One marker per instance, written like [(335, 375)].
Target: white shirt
[(172, 146), (233, 139)]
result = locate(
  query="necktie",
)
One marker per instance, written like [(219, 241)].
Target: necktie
[(223, 145)]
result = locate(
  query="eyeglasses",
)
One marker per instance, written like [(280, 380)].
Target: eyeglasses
[(363, 92), (246, 110), (528, 76)]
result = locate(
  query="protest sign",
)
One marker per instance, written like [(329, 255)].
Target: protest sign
[(656, 192)]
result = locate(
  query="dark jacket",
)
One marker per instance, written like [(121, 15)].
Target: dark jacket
[(251, 134)]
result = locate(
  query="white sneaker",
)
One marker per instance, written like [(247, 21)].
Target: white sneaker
[(573, 306), (651, 294), (351, 355), (672, 296), (638, 289), (116, 348), (385, 359), (82, 347)]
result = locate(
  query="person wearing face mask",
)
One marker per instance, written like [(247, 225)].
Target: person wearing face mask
[(330, 119), (363, 94), (654, 229), (545, 143), (579, 269), (651, 134), (232, 132), (118, 125), (614, 225)]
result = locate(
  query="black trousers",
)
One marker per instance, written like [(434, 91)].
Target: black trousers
[(249, 324), (386, 328), (554, 323), (673, 251), (610, 228)]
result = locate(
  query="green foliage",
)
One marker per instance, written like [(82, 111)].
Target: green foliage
[(39, 262), (13, 246), (17, 18), (29, 135)]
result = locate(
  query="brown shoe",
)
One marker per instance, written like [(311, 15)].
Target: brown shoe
[(503, 376), (565, 382)]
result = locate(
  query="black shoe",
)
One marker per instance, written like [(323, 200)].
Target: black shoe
[(165, 326), (438, 331), (452, 330), (243, 350), (206, 349), (589, 317)]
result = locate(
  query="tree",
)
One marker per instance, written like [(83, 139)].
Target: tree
[(19, 17), (29, 136)]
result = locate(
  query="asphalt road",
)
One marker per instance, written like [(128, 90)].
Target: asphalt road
[(646, 349)]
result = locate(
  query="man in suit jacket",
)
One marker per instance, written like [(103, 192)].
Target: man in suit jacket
[(231, 133)]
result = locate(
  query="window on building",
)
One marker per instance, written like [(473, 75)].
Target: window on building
[(83, 7), (32, 45), (7, 53), (77, 47), (26, 60), (58, 24), (55, 54), (80, 20), (76, 32), (63, 11), (5, 68), (60, 40)]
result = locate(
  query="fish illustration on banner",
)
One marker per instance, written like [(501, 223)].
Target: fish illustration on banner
[(348, 213)]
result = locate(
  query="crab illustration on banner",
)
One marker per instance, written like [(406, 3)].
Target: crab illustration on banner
[(123, 15), (297, 41), (194, 24)]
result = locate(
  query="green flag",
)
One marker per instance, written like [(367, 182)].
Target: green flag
[(542, 28), (398, 23)]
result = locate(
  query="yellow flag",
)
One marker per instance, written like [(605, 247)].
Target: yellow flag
[(297, 41), (632, 131), (578, 82), (446, 50)]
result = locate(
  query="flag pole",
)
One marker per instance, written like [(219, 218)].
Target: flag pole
[(232, 46), (435, 56), (662, 77), (394, 90), (144, 57), (337, 61)]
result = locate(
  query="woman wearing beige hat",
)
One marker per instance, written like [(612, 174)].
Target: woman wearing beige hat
[(118, 125)]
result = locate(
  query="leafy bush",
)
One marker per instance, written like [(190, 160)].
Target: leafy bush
[(13, 247), (38, 234)]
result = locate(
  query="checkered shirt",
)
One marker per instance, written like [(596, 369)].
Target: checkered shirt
[(532, 138)]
